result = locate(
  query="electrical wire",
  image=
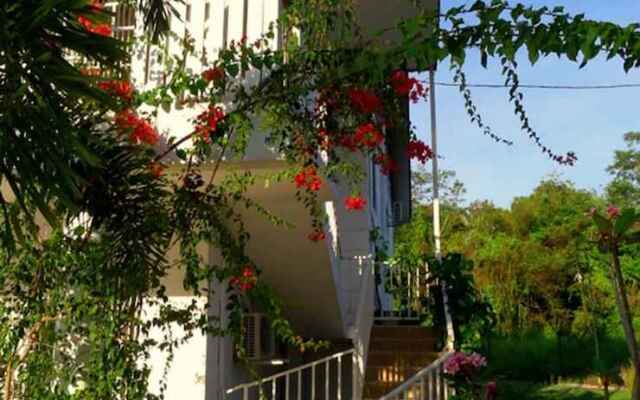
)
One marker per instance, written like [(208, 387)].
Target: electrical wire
[(554, 87)]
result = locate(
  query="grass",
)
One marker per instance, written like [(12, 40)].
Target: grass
[(530, 391)]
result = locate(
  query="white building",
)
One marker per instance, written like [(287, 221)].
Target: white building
[(328, 289)]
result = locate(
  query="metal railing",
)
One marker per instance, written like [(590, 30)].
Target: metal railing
[(401, 292), (427, 384), (320, 379)]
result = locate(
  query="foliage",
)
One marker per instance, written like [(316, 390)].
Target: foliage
[(624, 189), (70, 151)]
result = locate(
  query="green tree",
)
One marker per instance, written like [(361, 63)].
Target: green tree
[(624, 189)]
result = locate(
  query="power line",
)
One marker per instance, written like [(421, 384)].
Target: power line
[(555, 87)]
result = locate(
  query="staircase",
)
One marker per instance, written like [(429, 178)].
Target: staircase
[(395, 354)]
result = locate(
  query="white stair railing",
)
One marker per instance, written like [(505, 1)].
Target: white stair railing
[(428, 384), (320, 379)]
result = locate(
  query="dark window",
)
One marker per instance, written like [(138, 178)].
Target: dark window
[(188, 13), (207, 11)]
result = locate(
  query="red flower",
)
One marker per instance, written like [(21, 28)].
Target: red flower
[(141, 131), (365, 101), (213, 74), (246, 280), (387, 164), (420, 151), (308, 179), (317, 235), (613, 211), (96, 6), (157, 170), (126, 119), (349, 142), (102, 30), (207, 122), (99, 29), (368, 135), (144, 132), (405, 86), (122, 89), (355, 203)]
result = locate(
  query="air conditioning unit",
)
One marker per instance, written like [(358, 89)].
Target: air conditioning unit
[(259, 340)]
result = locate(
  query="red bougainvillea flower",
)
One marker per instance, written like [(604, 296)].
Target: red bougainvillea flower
[(419, 150), (387, 164), (349, 142), (613, 211), (213, 74), (317, 235), (368, 135), (365, 101), (96, 6), (157, 170), (207, 122), (141, 131), (144, 132), (404, 86), (102, 30), (122, 89), (98, 29), (308, 178), (246, 280), (355, 203), (126, 119)]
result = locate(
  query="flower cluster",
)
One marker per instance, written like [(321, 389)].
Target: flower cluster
[(208, 121), (387, 164), (613, 212), (246, 280), (317, 235), (365, 101), (122, 89), (139, 129), (404, 86), (157, 169), (464, 364), (368, 135), (213, 74), (308, 178), (355, 203), (90, 26), (419, 150)]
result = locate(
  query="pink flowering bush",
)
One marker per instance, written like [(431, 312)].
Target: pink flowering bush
[(463, 370)]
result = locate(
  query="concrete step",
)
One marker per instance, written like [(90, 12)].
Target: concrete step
[(403, 345), (402, 332), (396, 353), (400, 359)]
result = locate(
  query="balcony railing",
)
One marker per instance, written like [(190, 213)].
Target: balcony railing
[(427, 384), (323, 379)]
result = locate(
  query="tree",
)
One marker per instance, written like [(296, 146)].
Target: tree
[(615, 228), (73, 145), (624, 189)]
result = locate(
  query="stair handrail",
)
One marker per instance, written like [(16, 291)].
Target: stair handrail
[(288, 374), (428, 383)]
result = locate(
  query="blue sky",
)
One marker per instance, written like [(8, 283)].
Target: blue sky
[(590, 123)]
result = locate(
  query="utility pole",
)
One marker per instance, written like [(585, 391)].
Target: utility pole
[(436, 207)]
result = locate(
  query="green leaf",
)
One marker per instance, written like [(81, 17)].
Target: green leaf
[(627, 218), (603, 224)]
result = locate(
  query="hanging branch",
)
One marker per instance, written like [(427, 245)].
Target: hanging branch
[(461, 79), (516, 97)]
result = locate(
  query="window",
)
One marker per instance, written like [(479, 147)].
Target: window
[(245, 18), (188, 13), (207, 11)]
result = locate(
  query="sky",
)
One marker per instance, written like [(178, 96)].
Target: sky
[(589, 123)]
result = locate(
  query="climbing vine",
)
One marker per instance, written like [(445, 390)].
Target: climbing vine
[(93, 203)]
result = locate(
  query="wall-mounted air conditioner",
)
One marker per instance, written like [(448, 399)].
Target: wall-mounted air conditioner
[(259, 340)]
